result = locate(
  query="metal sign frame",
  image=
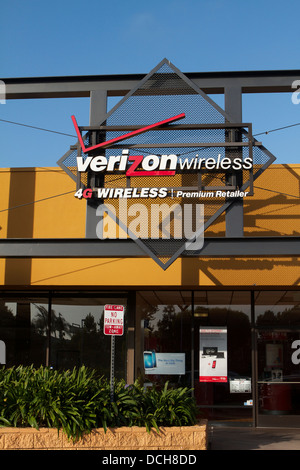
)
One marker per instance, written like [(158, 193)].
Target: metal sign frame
[(147, 85)]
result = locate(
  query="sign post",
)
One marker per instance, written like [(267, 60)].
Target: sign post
[(112, 367), (2, 353), (113, 326)]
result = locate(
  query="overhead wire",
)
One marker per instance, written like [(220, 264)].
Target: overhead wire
[(71, 135), (37, 128), (34, 202), (278, 129)]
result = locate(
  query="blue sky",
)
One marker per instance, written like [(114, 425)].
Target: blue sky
[(64, 38)]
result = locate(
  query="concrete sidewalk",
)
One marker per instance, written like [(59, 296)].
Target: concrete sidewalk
[(244, 438)]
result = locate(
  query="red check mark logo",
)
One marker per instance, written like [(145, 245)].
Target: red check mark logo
[(108, 143)]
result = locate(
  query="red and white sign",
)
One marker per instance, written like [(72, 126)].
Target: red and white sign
[(213, 354), (114, 320)]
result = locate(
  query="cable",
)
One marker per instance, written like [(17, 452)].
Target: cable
[(71, 135), (34, 202), (38, 128), (277, 192), (278, 129), (72, 192)]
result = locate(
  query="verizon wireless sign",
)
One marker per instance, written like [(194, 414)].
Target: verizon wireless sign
[(152, 165), (185, 160), (114, 320)]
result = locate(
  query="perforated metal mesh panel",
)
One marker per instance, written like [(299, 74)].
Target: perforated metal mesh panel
[(164, 93)]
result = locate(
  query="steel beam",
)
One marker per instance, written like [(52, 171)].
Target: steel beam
[(272, 81), (91, 248)]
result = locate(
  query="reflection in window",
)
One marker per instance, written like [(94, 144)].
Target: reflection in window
[(277, 308), (165, 319), (76, 333), (77, 336), (23, 328)]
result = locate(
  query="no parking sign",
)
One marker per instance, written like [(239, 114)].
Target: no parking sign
[(113, 326), (114, 320)]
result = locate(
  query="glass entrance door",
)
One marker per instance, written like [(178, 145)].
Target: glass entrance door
[(169, 348), (278, 391), (227, 399), (277, 321)]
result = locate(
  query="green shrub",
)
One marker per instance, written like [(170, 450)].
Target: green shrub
[(78, 401)]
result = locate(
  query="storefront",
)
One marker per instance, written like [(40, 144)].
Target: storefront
[(262, 328), (216, 308)]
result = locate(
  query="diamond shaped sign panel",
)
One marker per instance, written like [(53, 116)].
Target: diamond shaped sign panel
[(167, 149)]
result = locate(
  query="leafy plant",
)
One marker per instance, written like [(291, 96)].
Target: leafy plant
[(78, 401), (167, 407)]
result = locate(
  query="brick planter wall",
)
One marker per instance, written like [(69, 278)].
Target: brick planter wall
[(135, 438)]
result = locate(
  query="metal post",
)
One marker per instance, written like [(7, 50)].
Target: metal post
[(98, 110), (49, 323), (112, 367), (254, 362), (235, 212), (131, 333)]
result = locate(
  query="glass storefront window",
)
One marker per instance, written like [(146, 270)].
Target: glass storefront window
[(77, 336), (164, 345), (72, 336), (278, 377), (277, 309), (23, 330), (277, 316)]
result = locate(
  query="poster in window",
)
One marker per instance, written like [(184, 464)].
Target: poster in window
[(164, 363), (213, 354), (274, 355)]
